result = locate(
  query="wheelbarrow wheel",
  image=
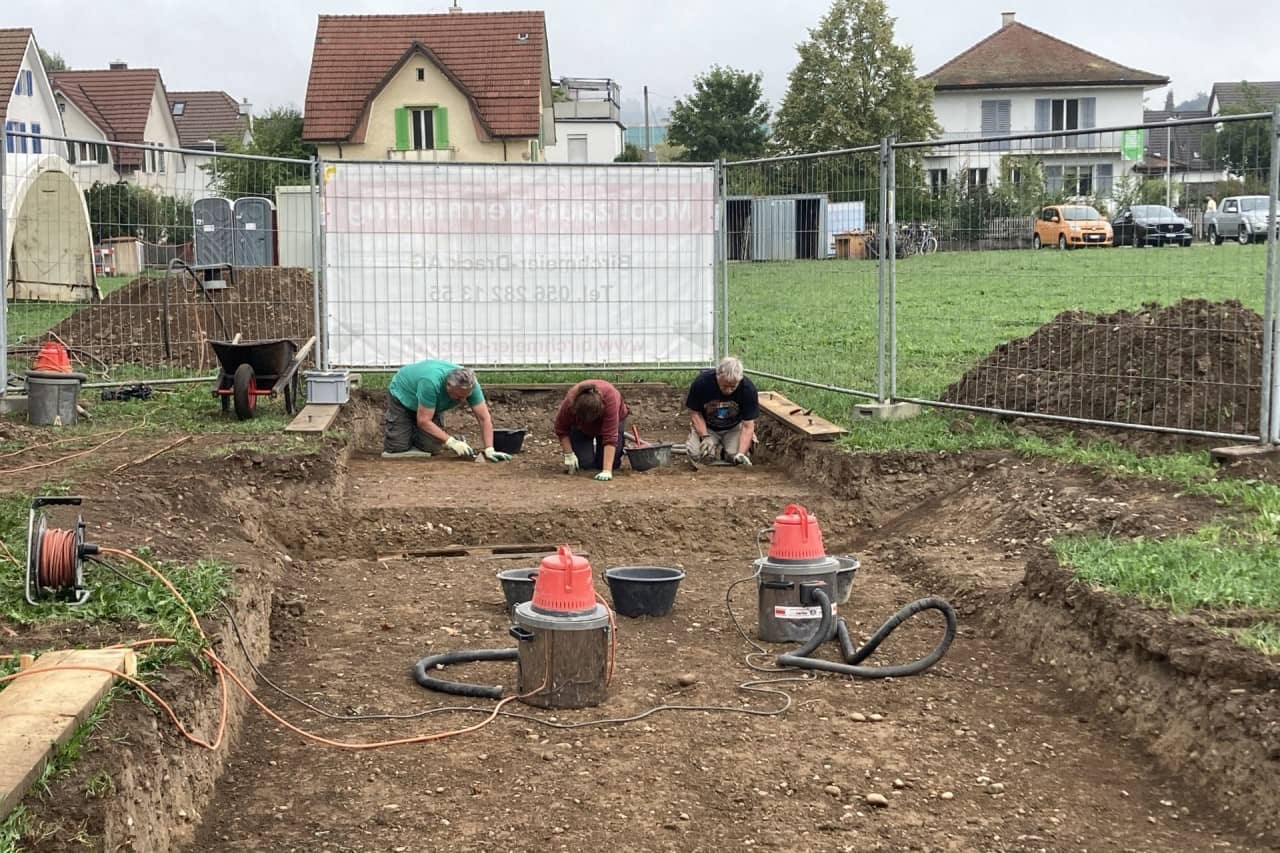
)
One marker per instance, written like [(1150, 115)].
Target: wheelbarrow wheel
[(242, 392)]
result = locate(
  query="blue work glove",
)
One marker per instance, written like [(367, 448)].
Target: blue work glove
[(494, 456), (460, 448), (604, 476)]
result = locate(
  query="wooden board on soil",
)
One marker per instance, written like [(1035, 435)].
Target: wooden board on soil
[(314, 417), (490, 551), (798, 418), (39, 713)]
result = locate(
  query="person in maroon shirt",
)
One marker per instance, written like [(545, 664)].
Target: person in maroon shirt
[(591, 425)]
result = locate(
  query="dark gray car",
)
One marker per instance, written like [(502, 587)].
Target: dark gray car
[(1150, 225)]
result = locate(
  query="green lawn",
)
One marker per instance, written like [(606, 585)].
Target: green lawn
[(26, 321), (817, 320)]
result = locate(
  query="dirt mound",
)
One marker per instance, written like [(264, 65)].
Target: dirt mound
[(169, 320), (1196, 365)]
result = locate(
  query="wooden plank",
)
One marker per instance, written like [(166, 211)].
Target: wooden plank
[(39, 713), (314, 417), (797, 418), (489, 551), (1237, 452)]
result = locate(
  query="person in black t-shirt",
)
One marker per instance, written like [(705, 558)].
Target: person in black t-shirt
[(723, 406)]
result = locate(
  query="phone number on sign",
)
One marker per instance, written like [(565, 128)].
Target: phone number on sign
[(517, 293)]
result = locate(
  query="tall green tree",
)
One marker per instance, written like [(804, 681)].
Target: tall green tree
[(726, 116), (1244, 147), (52, 61), (853, 85), (278, 133)]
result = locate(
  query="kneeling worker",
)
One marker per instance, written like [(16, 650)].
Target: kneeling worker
[(591, 425), (419, 396), (723, 406)]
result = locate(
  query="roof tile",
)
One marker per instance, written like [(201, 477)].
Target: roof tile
[(1017, 56), (207, 115)]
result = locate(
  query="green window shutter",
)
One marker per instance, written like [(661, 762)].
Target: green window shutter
[(402, 129), (440, 117)]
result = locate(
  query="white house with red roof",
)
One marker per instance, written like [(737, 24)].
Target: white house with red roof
[(122, 104), (48, 251), (1022, 80), (461, 86)]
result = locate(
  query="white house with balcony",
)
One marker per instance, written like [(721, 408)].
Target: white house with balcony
[(589, 128), (1021, 80), (48, 249)]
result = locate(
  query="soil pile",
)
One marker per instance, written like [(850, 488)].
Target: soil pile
[(1196, 365), (169, 320)]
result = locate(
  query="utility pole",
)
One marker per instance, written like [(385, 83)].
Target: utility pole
[(648, 149), (1168, 163)]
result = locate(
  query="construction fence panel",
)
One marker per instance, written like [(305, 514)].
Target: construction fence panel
[(137, 256), (801, 243), (525, 266), (1077, 275)]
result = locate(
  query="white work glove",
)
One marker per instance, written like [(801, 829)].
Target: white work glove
[(494, 456), (571, 463), (742, 459), (604, 476), (708, 447), (460, 448)]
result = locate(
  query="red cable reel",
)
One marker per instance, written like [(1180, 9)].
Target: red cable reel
[(55, 557)]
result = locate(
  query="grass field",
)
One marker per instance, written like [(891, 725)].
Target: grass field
[(28, 320), (817, 320)]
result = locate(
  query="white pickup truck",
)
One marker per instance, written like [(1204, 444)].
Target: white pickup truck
[(1240, 217)]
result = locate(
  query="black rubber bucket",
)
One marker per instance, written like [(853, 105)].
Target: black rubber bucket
[(509, 440), (643, 590), (517, 586)]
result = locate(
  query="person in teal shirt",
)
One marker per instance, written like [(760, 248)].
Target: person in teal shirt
[(419, 396)]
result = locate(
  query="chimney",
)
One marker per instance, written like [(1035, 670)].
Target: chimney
[(246, 108), (455, 7), (118, 66), (1006, 18)]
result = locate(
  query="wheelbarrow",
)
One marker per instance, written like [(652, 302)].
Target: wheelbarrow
[(253, 369)]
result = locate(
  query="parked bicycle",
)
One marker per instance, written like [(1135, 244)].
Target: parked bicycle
[(916, 238)]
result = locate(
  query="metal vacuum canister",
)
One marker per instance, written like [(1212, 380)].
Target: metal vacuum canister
[(796, 560), (563, 653)]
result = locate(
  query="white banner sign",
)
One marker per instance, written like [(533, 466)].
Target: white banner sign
[(519, 264)]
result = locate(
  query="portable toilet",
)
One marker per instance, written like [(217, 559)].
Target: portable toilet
[(214, 231), (254, 232)]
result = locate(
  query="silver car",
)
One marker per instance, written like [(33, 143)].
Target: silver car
[(1243, 217)]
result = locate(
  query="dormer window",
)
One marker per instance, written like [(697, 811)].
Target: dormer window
[(179, 107)]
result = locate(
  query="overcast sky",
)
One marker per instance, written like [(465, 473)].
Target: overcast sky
[(261, 49)]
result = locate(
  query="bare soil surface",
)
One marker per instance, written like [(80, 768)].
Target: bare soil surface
[(1060, 720), (1111, 367), (170, 319)]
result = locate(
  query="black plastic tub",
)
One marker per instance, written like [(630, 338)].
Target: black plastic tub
[(508, 440), (650, 456), (643, 590), (517, 586)]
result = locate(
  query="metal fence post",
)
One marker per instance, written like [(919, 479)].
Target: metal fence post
[(4, 280), (1270, 427), (722, 253), (893, 273), (317, 265), (884, 243)]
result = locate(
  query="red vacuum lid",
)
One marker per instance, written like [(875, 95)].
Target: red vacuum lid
[(796, 536), (564, 584)]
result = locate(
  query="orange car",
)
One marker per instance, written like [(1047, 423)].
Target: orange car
[(1069, 226)]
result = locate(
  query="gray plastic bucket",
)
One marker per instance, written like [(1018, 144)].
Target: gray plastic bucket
[(52, 397)]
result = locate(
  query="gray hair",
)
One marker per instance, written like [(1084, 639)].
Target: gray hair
[(461, 378), (730, 369)]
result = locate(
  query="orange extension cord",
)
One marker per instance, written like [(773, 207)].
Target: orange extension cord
[(225, 672)]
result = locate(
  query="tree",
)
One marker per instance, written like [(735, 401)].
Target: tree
[(278, 133), (1244, 147), (128, 210), (1168, 101), (630, 154), (726, 116), (853, 86), (52, 61)]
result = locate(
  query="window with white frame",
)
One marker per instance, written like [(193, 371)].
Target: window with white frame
[(937, 181), (15, 144), (422, 126), (24, 86), (1067, 114), (975, 179)]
